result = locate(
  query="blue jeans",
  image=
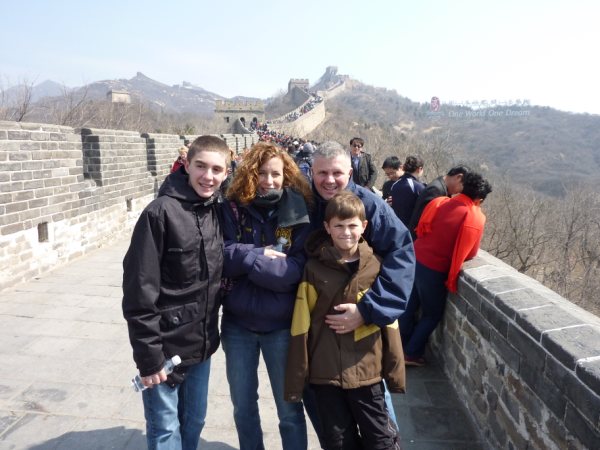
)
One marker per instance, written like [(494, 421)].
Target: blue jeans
[(429, 294), (242, 352), (175, 415)]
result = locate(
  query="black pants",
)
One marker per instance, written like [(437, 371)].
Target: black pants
[(354, 419)]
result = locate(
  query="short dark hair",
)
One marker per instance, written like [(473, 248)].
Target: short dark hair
[(209, 144), (412, 163), (391, 162), (345, 205), (459, 170), (357, 140), (475, 187)]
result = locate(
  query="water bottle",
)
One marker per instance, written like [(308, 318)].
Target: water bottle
[(281, 241), (170, 364)]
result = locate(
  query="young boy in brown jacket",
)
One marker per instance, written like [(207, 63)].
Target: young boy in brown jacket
[(346, 371)]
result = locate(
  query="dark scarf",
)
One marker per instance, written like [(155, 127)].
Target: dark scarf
[(268, 200), (289, 205)]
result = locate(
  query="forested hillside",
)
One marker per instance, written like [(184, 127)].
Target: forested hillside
[(546, 149)]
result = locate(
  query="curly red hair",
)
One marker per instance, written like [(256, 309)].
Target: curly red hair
[(244, 185)]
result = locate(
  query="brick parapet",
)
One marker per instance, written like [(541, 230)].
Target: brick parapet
[(525, 360), (82, 188)]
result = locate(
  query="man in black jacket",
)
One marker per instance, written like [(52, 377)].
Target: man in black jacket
[(171, 281), (364, 172)]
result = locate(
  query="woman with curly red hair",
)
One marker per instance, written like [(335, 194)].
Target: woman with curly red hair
[(267, 205)]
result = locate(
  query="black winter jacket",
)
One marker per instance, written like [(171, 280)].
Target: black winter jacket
[(367, 172), (171, 278)]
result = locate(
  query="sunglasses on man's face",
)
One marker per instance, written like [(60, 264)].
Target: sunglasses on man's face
[(356, 145)]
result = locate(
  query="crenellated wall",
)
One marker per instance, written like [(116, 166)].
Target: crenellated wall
[(64, 192), (525, 360)]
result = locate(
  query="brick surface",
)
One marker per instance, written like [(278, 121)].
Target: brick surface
[(571, 344), (495, 317), (578, 394), (588, 434), (470, 295), (479, 322), (589, 373), (507, 352), (490, 288), (533, 356), (550, 317)]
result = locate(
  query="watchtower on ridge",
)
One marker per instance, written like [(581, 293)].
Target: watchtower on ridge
[(247, 112), (301, 83)]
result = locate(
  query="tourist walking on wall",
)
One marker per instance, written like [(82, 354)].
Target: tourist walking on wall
[(408, 187), (171, 281), (267, 204), (364, 172), (448, 233)]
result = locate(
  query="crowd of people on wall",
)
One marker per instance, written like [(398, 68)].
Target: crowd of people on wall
[(337, 287), (309, 105)]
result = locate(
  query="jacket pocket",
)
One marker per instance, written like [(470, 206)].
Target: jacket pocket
[(178, 316), (179, 266)]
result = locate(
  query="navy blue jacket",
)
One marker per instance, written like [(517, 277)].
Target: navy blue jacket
[(389, 238), (264, 289), (404, 196)]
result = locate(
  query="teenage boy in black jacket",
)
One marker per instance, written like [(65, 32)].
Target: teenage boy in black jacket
[(171, 280)]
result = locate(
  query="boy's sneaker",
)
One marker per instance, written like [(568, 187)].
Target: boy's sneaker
[(416, 362)]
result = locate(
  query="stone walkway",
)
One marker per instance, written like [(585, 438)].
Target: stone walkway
[(67, 365)]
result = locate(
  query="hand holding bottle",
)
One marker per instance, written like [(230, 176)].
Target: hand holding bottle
[(142, 383)]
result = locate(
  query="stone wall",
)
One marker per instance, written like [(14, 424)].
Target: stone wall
[(64, 192), (307, 122), (304, 124), (524, 360), (332, 92)]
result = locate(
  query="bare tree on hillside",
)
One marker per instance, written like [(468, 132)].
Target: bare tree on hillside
[(517, 228), (73, 108), (577, 225), (16, 103)]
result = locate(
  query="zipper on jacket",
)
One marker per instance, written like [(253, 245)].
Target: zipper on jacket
[(202, 254)]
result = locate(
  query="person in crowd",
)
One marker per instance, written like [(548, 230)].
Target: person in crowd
[(180, 161), (345, 371), (407, 188), (386, 299), (291, 149), (304, 159), (364, 172), (171, 300), (446, 186), (268, 205), (392, 166), (448, 233), (234, 162), (230, 171)]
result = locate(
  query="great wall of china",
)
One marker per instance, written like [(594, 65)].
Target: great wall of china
[(524, 360)]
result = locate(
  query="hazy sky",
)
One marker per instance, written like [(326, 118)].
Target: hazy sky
[(544, 51)]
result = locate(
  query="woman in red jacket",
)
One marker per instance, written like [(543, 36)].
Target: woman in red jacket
[(448, 233)]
